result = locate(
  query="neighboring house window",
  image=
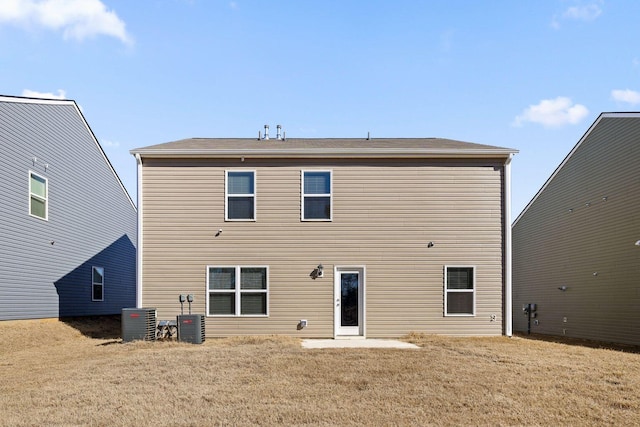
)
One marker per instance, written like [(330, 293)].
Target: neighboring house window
[(241, 196), (97, 285), (38, 202), (316, 196), (237, 291), (459, 287)]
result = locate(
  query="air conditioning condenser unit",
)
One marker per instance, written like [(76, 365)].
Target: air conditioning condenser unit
[(138, 324)]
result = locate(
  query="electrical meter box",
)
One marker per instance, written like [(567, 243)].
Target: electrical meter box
[(191, 328)]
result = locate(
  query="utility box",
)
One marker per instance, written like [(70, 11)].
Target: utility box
[(191, 328), (138, 324)]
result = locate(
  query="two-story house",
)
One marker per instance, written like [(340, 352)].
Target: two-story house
[(67, 224), (327, 237)]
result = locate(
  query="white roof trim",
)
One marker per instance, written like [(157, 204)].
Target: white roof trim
[(23, 100), (622, 115)]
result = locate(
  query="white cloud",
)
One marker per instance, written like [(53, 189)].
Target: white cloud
[(47, 95), (629, 96), (581, 12), (587, 12), (77, 19), (553, 113)]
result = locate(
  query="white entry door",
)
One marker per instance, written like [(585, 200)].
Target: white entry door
[(349, 302)]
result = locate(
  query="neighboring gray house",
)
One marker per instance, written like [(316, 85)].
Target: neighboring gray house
[(576, 246), (67, 224)]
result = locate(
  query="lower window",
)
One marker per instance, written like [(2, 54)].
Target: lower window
[(459, 295), (237, 291), (97, 284)]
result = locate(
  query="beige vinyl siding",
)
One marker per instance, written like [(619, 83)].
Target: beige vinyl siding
[(384, 214), (590, 249)]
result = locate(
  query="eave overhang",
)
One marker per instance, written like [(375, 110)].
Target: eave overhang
[(324, 153)]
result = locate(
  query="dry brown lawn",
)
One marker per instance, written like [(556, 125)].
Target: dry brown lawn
[(54, 374)]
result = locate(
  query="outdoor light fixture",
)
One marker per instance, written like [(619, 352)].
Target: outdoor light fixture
[(562, 288), (430, 244), (638, 243), (317, 272)]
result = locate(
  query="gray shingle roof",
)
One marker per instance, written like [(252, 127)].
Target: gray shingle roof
[(322, 147)]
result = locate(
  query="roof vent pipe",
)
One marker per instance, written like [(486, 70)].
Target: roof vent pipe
[(266, 132), (279, 130)]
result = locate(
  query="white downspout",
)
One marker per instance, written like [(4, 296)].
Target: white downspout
[(140, 239), (508, 304)]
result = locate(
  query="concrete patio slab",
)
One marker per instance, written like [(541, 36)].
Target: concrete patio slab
[(356, 343)]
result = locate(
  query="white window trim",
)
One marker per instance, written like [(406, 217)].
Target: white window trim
[(446, 291), (45, 199), (254, 195), (237, 292), (303, 195), (95, 283)]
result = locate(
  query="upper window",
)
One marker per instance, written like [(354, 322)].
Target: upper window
[(316, 196), (97, 284), (237, 291), (459, 287), (38, 193), (241, 196)]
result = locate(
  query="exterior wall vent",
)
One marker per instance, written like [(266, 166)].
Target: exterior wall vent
[(138, 324)]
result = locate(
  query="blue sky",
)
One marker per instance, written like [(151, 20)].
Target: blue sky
[(529, 75)]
